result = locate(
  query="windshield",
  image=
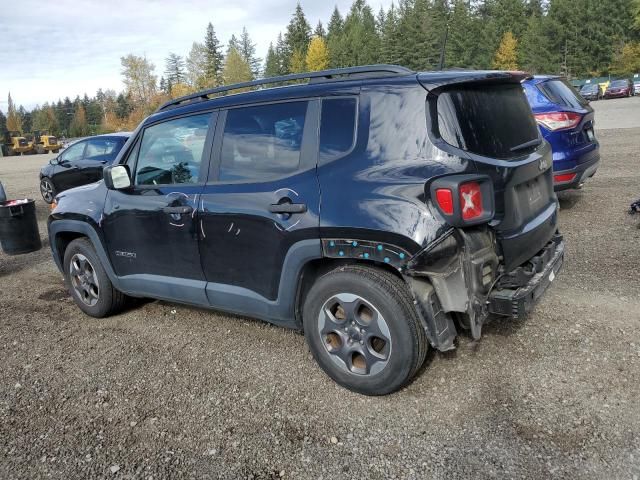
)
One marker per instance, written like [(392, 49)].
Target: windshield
[(589, 88), (618, 83), (487, 120)]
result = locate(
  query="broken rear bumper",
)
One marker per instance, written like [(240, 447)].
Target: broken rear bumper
[(518, 291)]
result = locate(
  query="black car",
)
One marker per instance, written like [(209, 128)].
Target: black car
[(591, 91), (378, 209), (80, 163)]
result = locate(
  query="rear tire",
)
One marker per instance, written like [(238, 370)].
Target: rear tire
[(363, 330), (87, 281)]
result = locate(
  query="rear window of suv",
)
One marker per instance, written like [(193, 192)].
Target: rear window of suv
[(487, 120), (562, 92)]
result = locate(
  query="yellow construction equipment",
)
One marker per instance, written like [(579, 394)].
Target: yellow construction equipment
[(16, 144), (42, 142)]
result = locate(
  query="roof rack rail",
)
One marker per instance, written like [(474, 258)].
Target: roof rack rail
[(323, 75)]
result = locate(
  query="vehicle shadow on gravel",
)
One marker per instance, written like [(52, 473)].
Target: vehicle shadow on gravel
[(569, 199)]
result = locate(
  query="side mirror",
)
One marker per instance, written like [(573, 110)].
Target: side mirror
[(54, 161), (117, 177)]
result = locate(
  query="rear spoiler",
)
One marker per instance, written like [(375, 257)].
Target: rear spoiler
[(433, 80)]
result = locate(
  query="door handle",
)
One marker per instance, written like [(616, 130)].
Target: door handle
[(178, 210), (287, 208)]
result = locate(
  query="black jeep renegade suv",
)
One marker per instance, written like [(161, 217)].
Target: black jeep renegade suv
[(378, 209)]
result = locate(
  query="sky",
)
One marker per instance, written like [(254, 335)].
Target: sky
[(66, 48)]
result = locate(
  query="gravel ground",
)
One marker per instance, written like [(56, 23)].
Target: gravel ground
[(170, 391)]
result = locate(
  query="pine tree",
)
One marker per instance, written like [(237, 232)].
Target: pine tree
[(335, 40), (248, 52), (317, 55), (271, 65), (236, 68), (25, 119), (234, 44), (319, 31), (3, 125), (282, 55), (174, 69), (389, 37), (14, 122), (507, 54), (298, 34), (214, 58), (360, 43)]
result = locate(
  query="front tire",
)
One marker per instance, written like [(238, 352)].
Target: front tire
[(47, 189), (87, 281), (363, 330)]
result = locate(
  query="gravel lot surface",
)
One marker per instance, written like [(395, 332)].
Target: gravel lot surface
[(165, 390)]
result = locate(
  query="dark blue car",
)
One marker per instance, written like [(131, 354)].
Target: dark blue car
[(567, 122)]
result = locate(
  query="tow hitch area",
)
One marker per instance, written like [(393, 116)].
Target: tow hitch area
[(518, 291)]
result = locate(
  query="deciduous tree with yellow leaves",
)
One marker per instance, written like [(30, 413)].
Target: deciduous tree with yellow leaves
[(506, 57), (317, 55)]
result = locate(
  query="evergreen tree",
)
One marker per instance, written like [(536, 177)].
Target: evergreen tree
[(282, 55), (390, 37), (214, 58), (335, 40), (123, 106), (234, 44), (507, 54), (298, 34), (248, 52), (174, 69), (360, 43), (319, 31), (271, 64), (317, 55), (14, 122), (3, 125), (25, 120)]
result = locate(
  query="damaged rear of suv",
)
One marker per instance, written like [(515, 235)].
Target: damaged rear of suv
[(377, 209)]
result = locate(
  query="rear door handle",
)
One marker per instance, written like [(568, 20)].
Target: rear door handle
[(287, 208), (178, 210)]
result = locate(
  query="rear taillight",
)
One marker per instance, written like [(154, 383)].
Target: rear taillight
[(464, 200), (558, 120), (471, 200), (444, 197), (564, 177)]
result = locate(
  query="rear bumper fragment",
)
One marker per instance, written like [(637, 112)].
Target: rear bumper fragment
[(526, 289)]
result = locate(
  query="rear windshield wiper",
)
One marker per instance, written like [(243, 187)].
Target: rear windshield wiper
[(531, 143)]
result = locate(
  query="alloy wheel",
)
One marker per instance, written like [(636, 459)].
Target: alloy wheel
[(84, 279), (46, 189), (354, 334)]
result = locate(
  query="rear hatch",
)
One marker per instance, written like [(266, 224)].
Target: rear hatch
[(488, 121)]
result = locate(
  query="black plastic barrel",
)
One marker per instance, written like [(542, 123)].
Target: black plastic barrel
[(19, 227)]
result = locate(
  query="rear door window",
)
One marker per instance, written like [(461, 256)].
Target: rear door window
[(100, 149), (338, 127), (488, 120), (262, 142), (562, 92)]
